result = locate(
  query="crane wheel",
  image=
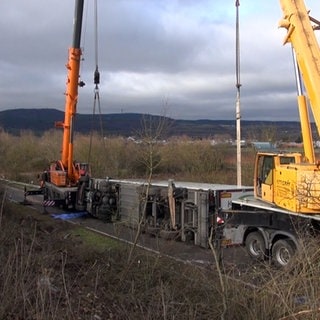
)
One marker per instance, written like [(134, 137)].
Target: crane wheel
[(255, 246), (282, 252)]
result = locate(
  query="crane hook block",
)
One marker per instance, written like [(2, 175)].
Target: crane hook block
[(96, 76)]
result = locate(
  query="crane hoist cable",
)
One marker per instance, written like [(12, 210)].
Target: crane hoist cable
[(238, 84), (96, 81)]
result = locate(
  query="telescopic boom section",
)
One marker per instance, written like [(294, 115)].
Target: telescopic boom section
[(304, 42), (73, 67)]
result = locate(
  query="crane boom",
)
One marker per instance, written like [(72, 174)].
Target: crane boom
[(300, 33), (73, 66)]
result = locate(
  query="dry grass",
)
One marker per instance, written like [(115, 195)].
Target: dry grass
[(52, 270)]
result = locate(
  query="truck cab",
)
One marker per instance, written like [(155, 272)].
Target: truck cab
[(288, 181), (267, 166)]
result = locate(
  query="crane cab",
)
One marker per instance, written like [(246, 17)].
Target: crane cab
[(265, 169), (81, 170), (286, 181)]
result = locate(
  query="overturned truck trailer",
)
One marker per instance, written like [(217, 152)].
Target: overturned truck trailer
[(175, 210)]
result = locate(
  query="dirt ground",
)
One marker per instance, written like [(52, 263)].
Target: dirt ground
[(54, 270)]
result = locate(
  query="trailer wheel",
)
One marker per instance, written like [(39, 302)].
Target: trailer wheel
[(255, 246), (282, 252)]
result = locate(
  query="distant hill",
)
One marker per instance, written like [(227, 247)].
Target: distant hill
[(127, 124)]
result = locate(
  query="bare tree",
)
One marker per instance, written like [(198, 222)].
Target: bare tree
[(308, 192), (151, 137)]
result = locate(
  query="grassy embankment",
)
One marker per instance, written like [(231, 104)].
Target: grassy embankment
[(55, 270)]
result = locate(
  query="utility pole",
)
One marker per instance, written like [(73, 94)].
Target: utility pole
[(238, 85)]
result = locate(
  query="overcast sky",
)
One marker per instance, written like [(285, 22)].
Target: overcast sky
[(167, 57)]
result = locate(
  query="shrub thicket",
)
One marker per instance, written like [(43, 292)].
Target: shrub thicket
[(23, 157)]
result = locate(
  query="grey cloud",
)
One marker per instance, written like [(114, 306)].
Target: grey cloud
[(178, 53)]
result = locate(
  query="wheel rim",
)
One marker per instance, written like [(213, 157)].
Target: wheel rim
[(255, 248), (283, 256)]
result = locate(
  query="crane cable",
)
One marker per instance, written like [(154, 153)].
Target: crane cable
[(238, 84), (96, 80)]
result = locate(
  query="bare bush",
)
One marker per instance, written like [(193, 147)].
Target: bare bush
[(178, 158)]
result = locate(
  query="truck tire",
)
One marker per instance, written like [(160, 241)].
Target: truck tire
[(282, 252), (255, 246)]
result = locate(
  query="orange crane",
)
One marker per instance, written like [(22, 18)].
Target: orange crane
[(65, 172), (61, 184)]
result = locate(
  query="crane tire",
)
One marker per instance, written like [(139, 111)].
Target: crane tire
[(282, 252), (255, 246)]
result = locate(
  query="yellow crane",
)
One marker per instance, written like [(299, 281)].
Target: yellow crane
[(292, 180)]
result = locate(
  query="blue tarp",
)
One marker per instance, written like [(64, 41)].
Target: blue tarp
[(68, 216)]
